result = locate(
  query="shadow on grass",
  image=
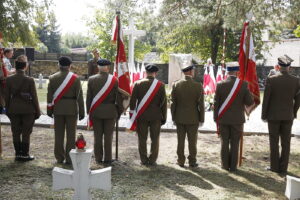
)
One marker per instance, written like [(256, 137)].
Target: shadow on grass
[(222, 179)]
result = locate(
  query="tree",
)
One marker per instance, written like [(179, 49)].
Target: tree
[(200, 23), (15, 23), (46, 27)]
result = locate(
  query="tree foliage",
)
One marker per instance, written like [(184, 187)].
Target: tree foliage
[(15, 23), (191, 26)]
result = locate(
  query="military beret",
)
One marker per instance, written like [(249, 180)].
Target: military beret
[(64, 61), (151, 68), (188, 68), (284, 61), (232, 66), (103, 62)]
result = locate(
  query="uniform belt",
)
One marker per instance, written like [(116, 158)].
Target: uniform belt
[(68, 98)]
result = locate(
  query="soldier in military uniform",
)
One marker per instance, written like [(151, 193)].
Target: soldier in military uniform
[(65, 109), (231, 122), (22, 108), (92, 64), (105, 114), (187, 108), (279, 108), (153, 116)]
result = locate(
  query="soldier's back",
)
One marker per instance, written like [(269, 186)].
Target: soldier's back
[(67, 105), (187, 93)]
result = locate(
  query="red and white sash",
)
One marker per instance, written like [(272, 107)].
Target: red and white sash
[(230, 98), (101, 95), (146, 100), (62, 89)]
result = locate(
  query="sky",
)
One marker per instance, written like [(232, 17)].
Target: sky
[(70, 14)]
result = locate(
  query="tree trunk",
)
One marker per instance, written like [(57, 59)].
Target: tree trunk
[(216, 34)]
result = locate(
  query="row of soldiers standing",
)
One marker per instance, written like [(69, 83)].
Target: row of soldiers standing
[(104, 106)]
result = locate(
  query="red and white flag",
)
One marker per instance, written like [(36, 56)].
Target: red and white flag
[(209, 84), (219, 74), (248, 66), (121, 70), (143, 71)]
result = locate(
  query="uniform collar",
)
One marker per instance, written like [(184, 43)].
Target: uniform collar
[(284, 72), (104, 73), (19, 71), (150, 77), (188, 77)]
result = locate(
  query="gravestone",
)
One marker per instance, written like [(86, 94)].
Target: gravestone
[(81, 179), (292, 190), (177, 61), (40, 81)]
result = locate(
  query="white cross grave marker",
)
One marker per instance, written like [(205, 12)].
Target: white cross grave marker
[(82, 178), (132, 32), (40, 81)]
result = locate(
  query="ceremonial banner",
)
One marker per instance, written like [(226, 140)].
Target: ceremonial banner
[(101, 95), (209, 82), (121, 70), (248, 66), (62, 89), (144, 104), (219, 74)]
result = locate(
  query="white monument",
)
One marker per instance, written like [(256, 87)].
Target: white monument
[(292, 190), (132, 32), (177, 61), (82, 178)]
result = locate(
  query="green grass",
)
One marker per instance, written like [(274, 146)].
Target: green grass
[(130, 180)]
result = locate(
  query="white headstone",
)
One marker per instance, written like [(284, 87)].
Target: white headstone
[(292, 190), (81, 179), (132, 32), (40, 81)]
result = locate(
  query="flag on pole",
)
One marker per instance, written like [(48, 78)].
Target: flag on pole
[(248, 66), (121, 70), (143, 71), (138, 73), (219, 74), (209, 81)]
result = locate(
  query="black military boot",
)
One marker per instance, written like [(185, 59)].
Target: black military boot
[(25, 152), (18, 150)]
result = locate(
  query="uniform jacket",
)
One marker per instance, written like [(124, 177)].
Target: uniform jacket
[(111, 107), (281, 101), (72, 101), (18, 87), (157, 109), (235, 113), (187, 106), (92, 67)]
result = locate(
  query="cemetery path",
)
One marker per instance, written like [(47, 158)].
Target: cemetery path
[(252, 126), (130, 180)]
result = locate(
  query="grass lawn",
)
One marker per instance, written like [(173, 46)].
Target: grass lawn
[(130, 180)]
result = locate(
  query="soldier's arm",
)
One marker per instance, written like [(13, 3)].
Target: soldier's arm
[(133, 99), (49, 97), (297, 100), (265, 104), (79, 96), (88, 97), (35, 98), (119, 100), (217, 102), (201, 104), (164, 102), (173, 102), (7, 94)]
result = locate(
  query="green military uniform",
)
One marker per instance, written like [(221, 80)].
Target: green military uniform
[(22, 109), (65, 114), (93, 67), (153, 117), (280, 106), (187, 108), (104, 116), (231, 123)]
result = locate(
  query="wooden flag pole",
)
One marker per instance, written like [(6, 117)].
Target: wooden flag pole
[(117, 61), (245, 72)]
